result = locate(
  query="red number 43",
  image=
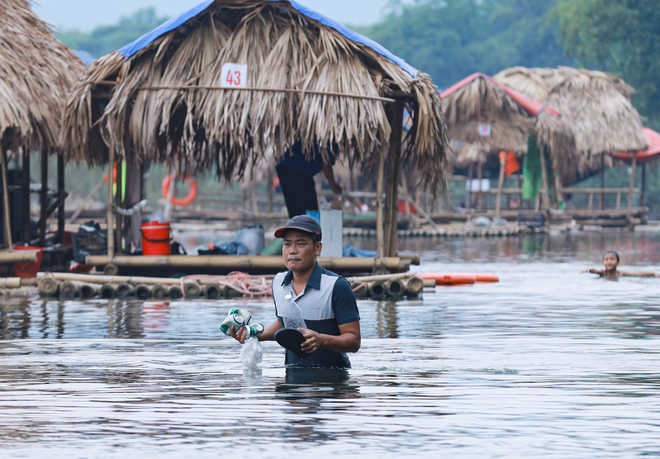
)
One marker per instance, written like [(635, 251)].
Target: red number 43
[(233, 78)]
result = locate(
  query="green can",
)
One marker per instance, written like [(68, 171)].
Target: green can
[(236, 318)]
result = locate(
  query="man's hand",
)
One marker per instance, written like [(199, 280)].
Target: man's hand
[(239, 335)]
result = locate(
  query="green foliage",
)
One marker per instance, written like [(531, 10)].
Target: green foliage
[(619, 36), (455, 38), (106, 39)]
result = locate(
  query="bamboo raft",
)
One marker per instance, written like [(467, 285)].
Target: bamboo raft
[(458, 231), (86, 286), (167, 265)]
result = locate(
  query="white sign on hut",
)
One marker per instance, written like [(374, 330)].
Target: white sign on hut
[(233, 75)]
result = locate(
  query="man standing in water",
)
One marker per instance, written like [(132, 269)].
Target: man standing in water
[(327, 301)]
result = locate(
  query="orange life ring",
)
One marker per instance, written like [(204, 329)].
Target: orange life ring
[(192, 193), (450, 279)]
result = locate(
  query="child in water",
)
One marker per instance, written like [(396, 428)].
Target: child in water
[(611, 262)]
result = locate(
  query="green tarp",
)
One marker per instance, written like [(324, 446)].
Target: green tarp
[(531, 170)]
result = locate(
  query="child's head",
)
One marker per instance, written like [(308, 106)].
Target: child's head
[(611, 260)]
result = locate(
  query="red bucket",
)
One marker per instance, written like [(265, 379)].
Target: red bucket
[(25, 268), (156, 238)]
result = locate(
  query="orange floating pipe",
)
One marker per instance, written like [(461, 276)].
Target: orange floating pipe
[(450, 279), (486, 277)]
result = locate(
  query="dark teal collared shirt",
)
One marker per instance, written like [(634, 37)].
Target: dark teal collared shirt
[(327, 301)]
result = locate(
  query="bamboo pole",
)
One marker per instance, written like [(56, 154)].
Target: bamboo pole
[(379, 277), (48, 286), (238, 262), (125, 290), (360, 289), (480, 193), (393, 166), (10, 282), (192, 289), (18, 256), (602, 181), (61, 198), (500, 185), (212, 291), (44, 198), (175, 292), (380, 237), (110, 203), (377, 290), (469, 188), (5, 199), (68, 289), (86, 291), (158, 291), (414, 285), (108, 291), (643, 192), (544, 180), (395, 287), (99, 279), (302, 92), (558, 188), (27, 223), (143, 291), (632, 184), (119, 204)]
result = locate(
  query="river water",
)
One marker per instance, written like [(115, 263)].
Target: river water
[(546, 363)]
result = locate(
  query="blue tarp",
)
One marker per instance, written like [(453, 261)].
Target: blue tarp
[(131, 49)]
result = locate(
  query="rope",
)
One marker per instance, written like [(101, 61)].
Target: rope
[(236, 280), (130, 211)]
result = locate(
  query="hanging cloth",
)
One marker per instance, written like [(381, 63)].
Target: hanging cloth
[(531, 170)]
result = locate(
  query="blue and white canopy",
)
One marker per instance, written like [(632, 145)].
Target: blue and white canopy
[(131, 49)]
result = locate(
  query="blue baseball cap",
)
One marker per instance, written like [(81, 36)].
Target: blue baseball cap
[(301, 223)]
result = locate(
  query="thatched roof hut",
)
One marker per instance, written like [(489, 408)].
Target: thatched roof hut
[(506, 117), (597, 110), (308, 78), (37, 72)]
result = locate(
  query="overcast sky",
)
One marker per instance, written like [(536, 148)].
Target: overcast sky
[(84, 15)]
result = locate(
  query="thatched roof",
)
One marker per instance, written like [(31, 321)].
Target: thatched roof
[(597, 110), (650, 155), (36, 74), (480, 100), (308, 78)]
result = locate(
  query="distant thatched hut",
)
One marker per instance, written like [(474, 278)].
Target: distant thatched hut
[(166, 98), (36, 75), (486, 117), (597, 110), (480, 110)]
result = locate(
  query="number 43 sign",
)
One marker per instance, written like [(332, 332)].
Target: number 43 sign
[(233, 75)]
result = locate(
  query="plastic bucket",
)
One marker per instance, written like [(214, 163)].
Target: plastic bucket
[(156, 238), (27, 269)]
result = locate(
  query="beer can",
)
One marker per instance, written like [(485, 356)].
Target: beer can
[(236, 318)]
